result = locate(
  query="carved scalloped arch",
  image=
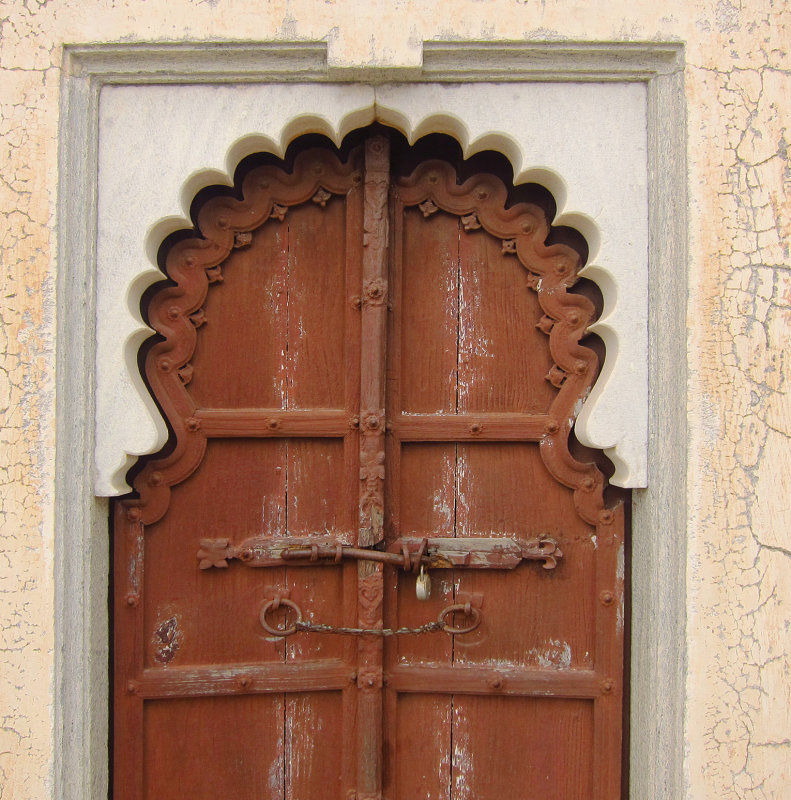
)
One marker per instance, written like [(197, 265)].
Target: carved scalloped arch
[(147, 433), (193, 264), (176, 311), (480, 202)]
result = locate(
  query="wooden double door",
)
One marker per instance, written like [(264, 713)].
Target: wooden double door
[(370, 381)]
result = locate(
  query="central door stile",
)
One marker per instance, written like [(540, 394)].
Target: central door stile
[(372, 458)]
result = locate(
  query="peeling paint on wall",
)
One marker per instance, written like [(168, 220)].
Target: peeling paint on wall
[(739, 582)]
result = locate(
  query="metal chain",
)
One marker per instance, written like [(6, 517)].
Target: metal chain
[(317, 627)]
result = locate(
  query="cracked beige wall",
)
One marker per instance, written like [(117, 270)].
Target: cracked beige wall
[(738, 87)]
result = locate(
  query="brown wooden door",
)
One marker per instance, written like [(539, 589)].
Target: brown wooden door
[(366, 374)]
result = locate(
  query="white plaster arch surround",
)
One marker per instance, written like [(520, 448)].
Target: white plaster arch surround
[(160, 144)]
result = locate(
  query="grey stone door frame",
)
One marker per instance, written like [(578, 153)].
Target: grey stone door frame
[(659, 519)]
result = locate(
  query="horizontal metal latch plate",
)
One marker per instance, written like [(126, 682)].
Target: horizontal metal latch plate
[(409, 552), (482, 552)]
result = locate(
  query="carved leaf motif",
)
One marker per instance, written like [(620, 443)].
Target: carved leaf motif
[(470, 222), (214, 274), (370, 596), (372, 465), (198, 318), (545, 324), (533, 281), (242, 239), (428, 207), (213, 553), (556, 376), (278, 212), (321, 197), (185, 373)]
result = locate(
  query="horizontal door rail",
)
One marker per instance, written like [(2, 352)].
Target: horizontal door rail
[(262, 422), (441, 679), (471, 427), (325, 675)]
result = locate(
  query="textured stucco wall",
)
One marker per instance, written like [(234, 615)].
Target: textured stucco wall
[(737, 85)]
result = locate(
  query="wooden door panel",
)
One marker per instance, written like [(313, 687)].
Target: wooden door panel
[(317, 489), (215, 613), (254, 746), (533, 617), (507, 748), (461, 747), (503, 357), (317, 306), (238, 357), (419, 746), (505, 489), (485, 353), (314, 746), (426, 296), (285, 485), (213, 747), (329, 593), (321, 390), (423, 503), (275, 327)]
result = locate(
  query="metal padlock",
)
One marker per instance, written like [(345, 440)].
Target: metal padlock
[(423, 585)]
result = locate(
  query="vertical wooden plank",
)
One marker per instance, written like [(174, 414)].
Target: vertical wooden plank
[(317, 506), (316, 299), (239, 490), (429, 313), (503, 357), (423, 375), (423, 367), (428, 501), (321, 496), (355, 211), (215, 747), (509, 748), (313, 746), (608, 716), (128, 653), (319, 592), (372, 456), (315, 498), (420, 755), (393, 363), (422, 370)]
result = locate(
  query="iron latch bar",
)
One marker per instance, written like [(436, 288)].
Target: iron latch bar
[(408, 552)]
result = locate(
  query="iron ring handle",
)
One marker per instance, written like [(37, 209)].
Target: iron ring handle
[(468, 610), (274, 604)]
